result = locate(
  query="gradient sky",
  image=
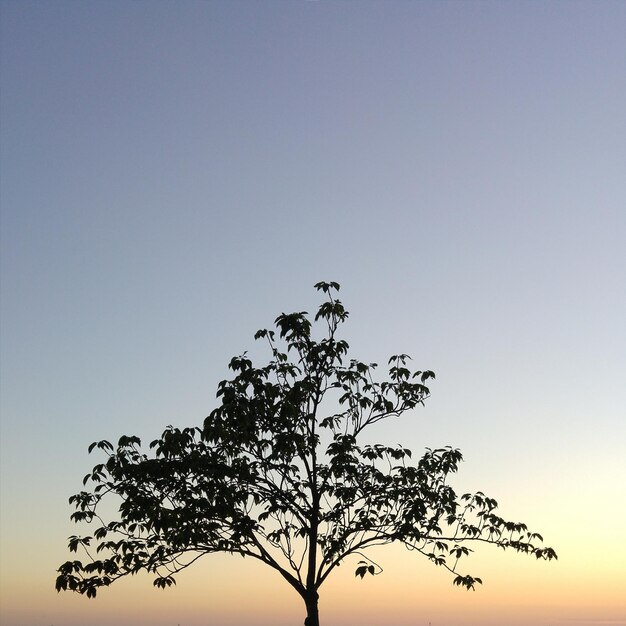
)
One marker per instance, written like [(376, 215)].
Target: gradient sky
[(175, 174)]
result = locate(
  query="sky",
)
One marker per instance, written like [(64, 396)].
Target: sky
[(175, 174)]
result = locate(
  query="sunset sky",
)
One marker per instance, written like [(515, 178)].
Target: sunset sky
[(175, 174)]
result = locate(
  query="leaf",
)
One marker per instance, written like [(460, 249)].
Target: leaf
[(164, 581)]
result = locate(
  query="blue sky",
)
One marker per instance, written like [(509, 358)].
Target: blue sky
[(173, 175)]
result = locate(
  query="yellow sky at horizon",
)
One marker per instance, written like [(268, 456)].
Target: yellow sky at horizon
[(581, 519), (234, 592)]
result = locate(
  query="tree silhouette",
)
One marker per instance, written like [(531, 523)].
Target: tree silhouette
[(277, 474)]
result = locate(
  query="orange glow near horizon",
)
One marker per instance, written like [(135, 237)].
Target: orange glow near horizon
[(230, 591), (585, 584)]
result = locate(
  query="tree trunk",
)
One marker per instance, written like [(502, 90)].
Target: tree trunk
[(312, 613)]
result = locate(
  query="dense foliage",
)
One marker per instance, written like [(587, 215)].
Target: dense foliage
[(277, 474)]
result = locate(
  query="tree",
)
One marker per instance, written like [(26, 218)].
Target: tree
[(277, 474)]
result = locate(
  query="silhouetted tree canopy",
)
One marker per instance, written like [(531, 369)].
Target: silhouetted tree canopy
[(277, 474)]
